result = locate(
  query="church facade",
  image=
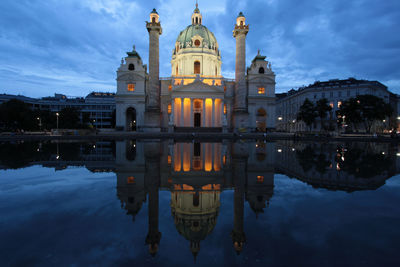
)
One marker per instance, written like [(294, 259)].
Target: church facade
[(196, 96)]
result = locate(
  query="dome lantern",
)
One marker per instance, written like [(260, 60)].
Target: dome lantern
[(197, 17)]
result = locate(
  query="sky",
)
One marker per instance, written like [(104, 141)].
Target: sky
[(74, 47)]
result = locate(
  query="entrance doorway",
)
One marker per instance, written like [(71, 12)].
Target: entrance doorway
[(131, 120), (197, 119)]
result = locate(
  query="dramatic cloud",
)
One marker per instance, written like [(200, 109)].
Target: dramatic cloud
[(75, 46)]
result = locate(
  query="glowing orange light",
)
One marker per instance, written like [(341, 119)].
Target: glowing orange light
[(261, 90), (131, 180), (225, 109), (169, 159), (169, 108), (260, 179), (131, 87)]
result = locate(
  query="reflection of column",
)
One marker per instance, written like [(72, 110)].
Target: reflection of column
[(239, 170), (213, 113), (152, 180), (182, 112)]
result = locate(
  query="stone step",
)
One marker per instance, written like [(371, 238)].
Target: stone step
[(198, 129)]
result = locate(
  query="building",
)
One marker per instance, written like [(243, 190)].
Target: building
[(196, 95), (98, 107), (335, 91)]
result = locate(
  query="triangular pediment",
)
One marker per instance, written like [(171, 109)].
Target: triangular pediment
[(265, 79), (199, 87)]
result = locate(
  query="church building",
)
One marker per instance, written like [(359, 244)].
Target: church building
[(196, 97)]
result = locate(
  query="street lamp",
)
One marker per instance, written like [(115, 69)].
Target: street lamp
[(57, 114), (40, 123)]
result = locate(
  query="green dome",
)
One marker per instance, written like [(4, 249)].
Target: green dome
[(192, 30)]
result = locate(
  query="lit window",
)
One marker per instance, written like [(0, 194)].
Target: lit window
[(260, 179), (170, 88), (224, 88), (339, 103), (131, 87), (225, 109), (169, 159), (169, 109), (261, 90), (131, 180), (331, 104)]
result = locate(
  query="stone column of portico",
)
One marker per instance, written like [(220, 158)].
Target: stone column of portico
[(182, 112), (240, 106), (213, 113), (191, 113), (222, 114), (203, 114), (153, 112)]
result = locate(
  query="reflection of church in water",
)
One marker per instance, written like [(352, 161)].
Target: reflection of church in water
[(195, 174)]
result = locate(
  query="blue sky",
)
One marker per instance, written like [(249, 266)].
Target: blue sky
[(75, 46)]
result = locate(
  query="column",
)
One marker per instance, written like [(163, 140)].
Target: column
[(203, 114), (182, 112), (191, 113), (173, 110), (222, 112), (213, 113)]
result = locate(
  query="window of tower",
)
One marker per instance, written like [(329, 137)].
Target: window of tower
[(241, 23), (261, 70), (261, 90), (216, 71), (177, 71), (197, 43), (196, 67), (153, 20), (131, 67), (197, 20), (131, 87)]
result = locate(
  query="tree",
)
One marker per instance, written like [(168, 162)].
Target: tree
[(15, 114), (373, 109), (322, 107), (69, 118), (350, 113), (307, 113)]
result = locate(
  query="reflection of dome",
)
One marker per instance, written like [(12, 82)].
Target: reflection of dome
[(195, 215), (197, 30)]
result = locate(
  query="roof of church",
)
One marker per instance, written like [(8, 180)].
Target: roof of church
[(192, 30)]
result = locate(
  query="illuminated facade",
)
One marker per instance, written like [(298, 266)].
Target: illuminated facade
[(196, 95)]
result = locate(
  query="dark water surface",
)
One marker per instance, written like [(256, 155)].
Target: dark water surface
[(132, 203)]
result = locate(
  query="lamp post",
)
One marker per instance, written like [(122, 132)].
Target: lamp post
[(57, 114), (40, 123)]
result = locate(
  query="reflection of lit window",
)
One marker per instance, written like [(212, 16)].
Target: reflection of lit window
[(339, 103), (261, 90), (131, 87), (197, 164), (331, 104), (170, 180), (169, 159), (131, 180), (224, 88), (169, 108), (225, 109), (260, 179), (224, 160)]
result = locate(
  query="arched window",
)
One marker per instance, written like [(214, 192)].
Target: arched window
[(261, 70), (216, 71), (153, 20), (131, 67), (176, 71), (197, 20), (241, 23), (196, 67), (197, 43)]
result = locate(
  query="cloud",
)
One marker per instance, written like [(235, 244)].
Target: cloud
[(75, 46)]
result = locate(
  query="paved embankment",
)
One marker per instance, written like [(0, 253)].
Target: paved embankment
[(195, 136)]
